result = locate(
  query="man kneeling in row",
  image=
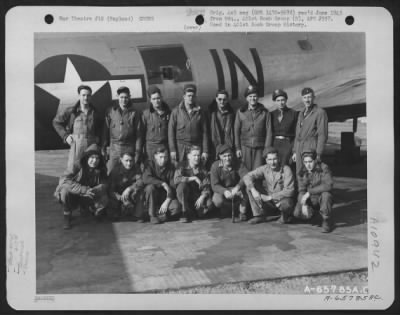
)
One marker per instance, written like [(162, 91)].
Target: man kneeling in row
[(85, 186), (160, 197), (275, 194), (193, 186), (126, 188), (227, 184), (315, 186)]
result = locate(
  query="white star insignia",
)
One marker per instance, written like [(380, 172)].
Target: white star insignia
[(66, 91)]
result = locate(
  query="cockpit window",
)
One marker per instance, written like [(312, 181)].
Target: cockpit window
[(166, 63)]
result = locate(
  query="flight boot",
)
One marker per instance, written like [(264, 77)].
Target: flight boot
[(67, 221), (155, 220), (326, 225), (257, 219)]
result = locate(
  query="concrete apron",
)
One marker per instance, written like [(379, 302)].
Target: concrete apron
[(124, 257)]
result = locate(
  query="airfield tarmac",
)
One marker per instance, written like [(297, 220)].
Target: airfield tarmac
[(131, 257)]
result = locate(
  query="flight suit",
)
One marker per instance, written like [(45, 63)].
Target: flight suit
[(188, 192), (85, 130), (311, 133), (121, 178), (253, 132), (221, 127), (319, 184), (223, 179), (284, 130), (155, 129), (74, 184), (123, 132), (185, 130), (153, 177)]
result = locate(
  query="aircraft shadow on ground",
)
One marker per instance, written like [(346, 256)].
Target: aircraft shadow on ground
[(75, 260), (79, 260)]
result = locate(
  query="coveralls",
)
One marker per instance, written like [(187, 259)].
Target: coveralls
[(85, 129)]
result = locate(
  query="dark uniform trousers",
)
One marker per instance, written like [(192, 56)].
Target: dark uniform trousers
[(285, 148), (322, 202), (252, 157), (154, 197), (187, 194), (132, 207), (284, 130)]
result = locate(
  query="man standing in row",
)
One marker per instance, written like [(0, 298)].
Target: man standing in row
[(311, 129), (253, 130), (284, 121), (155, 122), (187, 127), (222, 119), (79, 126), (276, 194), (122, 129)]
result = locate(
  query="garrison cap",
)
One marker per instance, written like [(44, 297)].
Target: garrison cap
[(84, 87), (223, 148), (123, 89), (269, 150), (152, 90), (251, 89), (307, 90), (310, 152), (278, 93), (189, 88)]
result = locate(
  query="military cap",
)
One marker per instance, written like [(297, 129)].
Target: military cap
[(84, 87), (278, 93), (152, 90), (269, 150), (123, 89), (251, 89), (309, 152), (189, 88), (225, 92), (161, 149), (223, 148), (307, 90), (129, 152)]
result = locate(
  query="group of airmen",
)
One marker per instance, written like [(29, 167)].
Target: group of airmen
[(191, 163)]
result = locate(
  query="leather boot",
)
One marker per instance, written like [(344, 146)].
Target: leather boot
[(67, 221), (326, 225), (257, 219)]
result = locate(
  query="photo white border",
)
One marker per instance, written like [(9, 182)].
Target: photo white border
[(23, 22)]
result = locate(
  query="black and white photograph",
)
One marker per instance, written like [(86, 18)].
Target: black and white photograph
[(200, 162)]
